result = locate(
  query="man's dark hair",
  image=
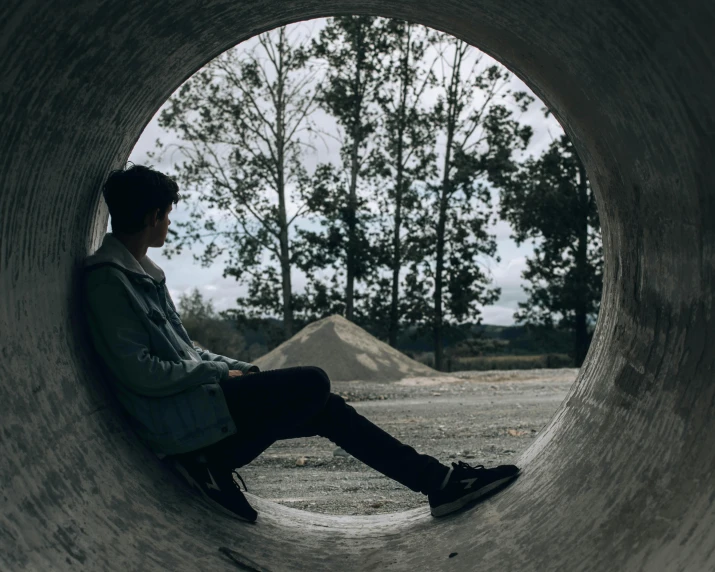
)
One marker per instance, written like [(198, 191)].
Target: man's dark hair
[(132, 193)]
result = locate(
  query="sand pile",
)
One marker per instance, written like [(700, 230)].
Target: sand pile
[(345, 351)]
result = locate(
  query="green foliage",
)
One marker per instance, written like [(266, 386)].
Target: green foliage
[(549, 199), (352, 50), (478, 135), (499, 362), (207, 329), (343, 239), (471, 339), (485, 363), (402, 158), (478, 347)]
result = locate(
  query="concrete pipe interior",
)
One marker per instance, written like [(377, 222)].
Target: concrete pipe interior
[(623, 478)]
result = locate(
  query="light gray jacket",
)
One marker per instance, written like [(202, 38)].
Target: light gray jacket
[(167, 385)]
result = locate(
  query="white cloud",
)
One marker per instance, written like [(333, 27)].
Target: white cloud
[(498, 315)]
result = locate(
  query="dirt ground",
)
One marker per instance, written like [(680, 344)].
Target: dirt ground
[(478, 417)]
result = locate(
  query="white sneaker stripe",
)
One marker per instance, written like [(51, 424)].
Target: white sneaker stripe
[(212, 484), (469, 482)]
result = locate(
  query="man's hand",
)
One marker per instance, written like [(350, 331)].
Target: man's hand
[(234, 373)]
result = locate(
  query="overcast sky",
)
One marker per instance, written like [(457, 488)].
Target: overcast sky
[(183, 274)]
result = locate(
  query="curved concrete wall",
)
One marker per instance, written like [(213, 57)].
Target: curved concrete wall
[(624, 476)]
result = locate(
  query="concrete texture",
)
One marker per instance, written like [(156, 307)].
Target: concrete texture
[(623, 478)]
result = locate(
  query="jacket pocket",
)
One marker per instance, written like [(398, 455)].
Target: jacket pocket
[(156, 316), (175, 321)]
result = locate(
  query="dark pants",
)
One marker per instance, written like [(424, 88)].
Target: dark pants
[(296, 402)]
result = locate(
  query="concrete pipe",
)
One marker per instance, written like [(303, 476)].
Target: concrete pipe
[(623, 477)]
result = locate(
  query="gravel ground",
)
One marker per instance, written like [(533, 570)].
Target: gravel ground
[(479, 417)]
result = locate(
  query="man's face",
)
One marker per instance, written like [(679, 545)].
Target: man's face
[(162, 229)]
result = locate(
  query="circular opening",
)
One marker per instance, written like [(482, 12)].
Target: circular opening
[(501, 381)]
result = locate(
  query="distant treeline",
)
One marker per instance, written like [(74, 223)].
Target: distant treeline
[(469, 346), (547, 347)]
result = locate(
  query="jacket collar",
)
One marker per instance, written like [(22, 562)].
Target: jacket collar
[(112, 251)]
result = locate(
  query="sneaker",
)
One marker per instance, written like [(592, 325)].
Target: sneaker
[(219, 488), (467, 483)]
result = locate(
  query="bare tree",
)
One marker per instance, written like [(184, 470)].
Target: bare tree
[(478, 135), (243, 122)]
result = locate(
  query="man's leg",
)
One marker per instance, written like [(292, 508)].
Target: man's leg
[(297, 402)]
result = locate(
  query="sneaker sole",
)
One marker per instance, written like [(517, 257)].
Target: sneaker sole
[(211, 501), (448, 508)]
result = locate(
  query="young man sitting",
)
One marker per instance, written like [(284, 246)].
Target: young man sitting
[(209, 414)]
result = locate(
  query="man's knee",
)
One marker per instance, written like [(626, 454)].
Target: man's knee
[(319, 380)]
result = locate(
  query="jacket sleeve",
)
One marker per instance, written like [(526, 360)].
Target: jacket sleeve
[(206, 355), (123, 343), (245, 367)]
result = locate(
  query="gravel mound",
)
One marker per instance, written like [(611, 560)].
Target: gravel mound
[(345, 351)]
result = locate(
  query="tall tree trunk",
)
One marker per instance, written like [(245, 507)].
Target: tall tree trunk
[(443, 205), (439, 271), (282, 216), (399, 181), (397, 259), (437, 326), (354, 166), (581, 341), (351, 216)]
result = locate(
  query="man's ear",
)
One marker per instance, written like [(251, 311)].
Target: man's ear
[(153, 217)]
